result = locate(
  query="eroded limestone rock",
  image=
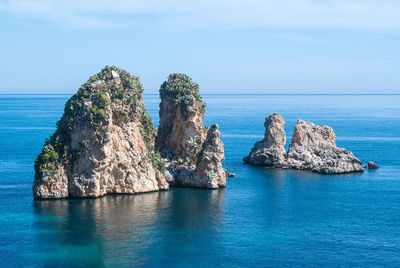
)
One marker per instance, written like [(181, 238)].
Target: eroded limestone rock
[(270, 151), (312, 148), (194, 154), (104, 143)]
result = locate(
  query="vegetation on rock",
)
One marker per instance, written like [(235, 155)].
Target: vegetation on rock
[(98, 95), (183, 91)]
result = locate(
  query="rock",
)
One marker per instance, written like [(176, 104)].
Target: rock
[(194, 154), (104, 143), (270, 151), (372, 165), (312, 148), (231, 175)]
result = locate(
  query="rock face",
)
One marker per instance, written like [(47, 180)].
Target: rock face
[(194, 154), (312, 148), (270, 151), (104, 143)]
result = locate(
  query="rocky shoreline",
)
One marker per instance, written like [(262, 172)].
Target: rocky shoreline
[(312, 148)]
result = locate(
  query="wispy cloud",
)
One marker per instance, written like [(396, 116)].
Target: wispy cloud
[(363, 15)]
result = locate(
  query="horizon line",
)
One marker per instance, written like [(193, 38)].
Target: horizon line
[(233, 94)]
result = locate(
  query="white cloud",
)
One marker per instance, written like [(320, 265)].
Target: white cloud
[(364, 15)]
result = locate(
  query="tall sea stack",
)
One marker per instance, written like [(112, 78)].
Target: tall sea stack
[(105, 142), (194, 153)]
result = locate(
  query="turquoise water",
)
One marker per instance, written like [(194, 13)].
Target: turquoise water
[(263, 217)]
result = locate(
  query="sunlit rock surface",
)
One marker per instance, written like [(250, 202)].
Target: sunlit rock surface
[(312, 148), (194, 154)]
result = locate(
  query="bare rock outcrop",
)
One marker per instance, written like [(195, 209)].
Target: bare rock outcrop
[(372, 165), (312, 148), (193, 154), (270, 151), (104, 143)]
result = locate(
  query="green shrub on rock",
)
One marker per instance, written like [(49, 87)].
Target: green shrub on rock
[(97, 96), (183, 91)]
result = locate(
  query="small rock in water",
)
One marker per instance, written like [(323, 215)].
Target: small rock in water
[(372, 165), (230, 174)]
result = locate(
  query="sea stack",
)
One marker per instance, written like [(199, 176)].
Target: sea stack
[(270, 151), (312, 148), (193, 153), (105, 141)]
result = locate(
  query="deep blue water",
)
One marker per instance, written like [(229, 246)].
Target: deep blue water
[(263, 217)]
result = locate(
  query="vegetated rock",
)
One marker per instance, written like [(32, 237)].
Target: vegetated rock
[(194, 154), (104, 143), (372, 165), (312, 148), (270, 151)]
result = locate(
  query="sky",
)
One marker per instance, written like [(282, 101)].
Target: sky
[(227, 46)]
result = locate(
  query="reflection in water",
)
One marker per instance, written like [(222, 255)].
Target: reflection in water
[(99, 231)]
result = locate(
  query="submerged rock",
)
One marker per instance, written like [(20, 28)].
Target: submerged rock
[(104, 143), (270, 151), (372, 165), (312, 148), (194, 154)]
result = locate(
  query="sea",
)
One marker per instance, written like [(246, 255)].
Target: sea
[(264, 217)]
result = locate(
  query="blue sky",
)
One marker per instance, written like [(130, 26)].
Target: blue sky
[(253, 46)]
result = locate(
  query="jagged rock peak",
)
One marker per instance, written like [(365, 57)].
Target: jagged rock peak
[(209, 163), (183, 140), (270, 151), (104, 143)]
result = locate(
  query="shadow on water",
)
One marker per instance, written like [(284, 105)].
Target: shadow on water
[(122, 229)]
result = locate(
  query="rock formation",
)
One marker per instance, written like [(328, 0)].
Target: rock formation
[(105, 141), (312, 148), (193, 153), (372, 165), (270, 151)]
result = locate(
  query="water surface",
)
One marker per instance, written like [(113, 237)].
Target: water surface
[(263, 217)]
